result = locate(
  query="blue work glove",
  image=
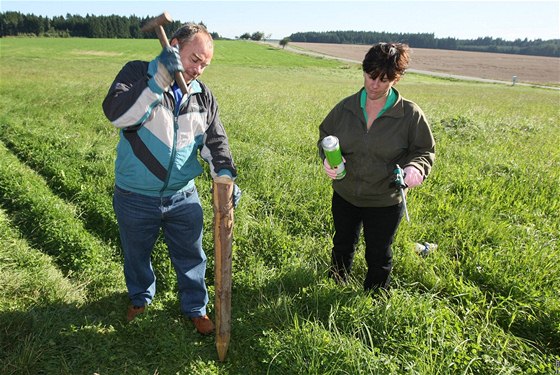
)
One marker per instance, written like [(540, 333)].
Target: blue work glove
[(236, 193), (162, 69), (236, 196)]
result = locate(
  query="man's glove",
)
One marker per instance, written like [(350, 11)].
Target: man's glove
[(162, 69), (328, 170), (412, 176), (236, 195)]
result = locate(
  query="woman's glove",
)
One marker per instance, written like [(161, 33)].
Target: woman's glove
[(162, 69), (328, 170), (412, 176)]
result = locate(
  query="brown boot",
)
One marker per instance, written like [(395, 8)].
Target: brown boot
[(203, 325), (133, 311)]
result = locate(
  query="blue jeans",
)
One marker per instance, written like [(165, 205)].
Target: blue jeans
[(140, 218)]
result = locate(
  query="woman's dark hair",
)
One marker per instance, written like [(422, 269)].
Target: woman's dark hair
[(386, 60)]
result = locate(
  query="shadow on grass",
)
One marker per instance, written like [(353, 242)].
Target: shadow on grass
[(95, 338)]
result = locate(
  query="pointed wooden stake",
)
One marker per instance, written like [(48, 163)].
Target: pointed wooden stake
[(223, 235)]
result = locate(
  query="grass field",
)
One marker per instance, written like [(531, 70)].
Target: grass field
[(485, 302)]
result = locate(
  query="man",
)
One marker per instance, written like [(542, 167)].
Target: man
[(161, 131)]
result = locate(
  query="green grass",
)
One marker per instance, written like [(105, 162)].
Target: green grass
[(485, 302)]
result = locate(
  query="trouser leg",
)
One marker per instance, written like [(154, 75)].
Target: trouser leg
[(182, 225), (380, 226), (138, 218), (347, 227)]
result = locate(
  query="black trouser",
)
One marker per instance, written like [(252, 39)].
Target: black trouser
[(380, 225)]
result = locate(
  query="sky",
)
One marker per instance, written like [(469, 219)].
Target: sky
[(508, 20)]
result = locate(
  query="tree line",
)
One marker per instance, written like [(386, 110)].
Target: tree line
[(125, 27), (90, 26), (536, 47)]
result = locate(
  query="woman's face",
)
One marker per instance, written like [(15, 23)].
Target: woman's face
[(377, 88)]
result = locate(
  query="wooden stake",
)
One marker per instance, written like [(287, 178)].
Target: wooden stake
[(223, 235)]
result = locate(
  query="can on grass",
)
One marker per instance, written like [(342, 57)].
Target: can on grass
[(331, 147)]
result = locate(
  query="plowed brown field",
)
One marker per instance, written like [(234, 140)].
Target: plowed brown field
[(493, 66)]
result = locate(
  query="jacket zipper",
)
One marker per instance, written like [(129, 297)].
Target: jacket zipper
[(174, 148)]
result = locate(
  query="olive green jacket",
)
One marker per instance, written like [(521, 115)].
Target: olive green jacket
[(401, 135)]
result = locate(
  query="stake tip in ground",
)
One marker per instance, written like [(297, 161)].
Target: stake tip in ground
[(222, 348)]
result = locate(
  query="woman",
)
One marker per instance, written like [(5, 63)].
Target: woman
[(377, 129)]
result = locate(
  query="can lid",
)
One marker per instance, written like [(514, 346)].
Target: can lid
[(330, 142)]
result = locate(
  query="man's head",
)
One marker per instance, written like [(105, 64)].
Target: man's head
[(196, 49)]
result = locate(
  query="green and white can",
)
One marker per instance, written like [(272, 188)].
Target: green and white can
[(331, 147)]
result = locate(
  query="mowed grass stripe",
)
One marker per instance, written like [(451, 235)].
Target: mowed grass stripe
[(76, 170), (29, 278), (51, 225)]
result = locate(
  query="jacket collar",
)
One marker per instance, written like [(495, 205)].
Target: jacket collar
[(352, 104), (193, 88)]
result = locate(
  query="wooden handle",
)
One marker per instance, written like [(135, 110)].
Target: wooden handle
[(160, 32), (156, 25)]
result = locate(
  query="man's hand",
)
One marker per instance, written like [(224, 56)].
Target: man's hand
[(236, 192), (162, 69), (171, 60), (412, 176), (236, 195)]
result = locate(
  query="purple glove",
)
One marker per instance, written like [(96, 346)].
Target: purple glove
[(412, 176), (328, 170)]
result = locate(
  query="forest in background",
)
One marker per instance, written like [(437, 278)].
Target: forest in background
[(125, 27), (538, 47), (90, 26)]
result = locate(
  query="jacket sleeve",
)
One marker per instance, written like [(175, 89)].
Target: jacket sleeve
[(130, 101), (421, 152), (215, 147)]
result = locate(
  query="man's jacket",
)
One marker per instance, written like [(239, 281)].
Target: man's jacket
[(159, 139)]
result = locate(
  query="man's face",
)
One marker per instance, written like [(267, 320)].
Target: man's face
[(196, 55)]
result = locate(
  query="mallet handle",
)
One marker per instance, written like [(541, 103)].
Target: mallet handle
[(156, 24)]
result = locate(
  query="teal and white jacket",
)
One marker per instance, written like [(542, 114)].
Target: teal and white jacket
[(161, 134)]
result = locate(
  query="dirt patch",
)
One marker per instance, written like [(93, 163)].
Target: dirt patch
[(493, 66), (96, 53)]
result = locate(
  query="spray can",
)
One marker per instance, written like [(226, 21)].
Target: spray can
[(334, 156), (423, 249)]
